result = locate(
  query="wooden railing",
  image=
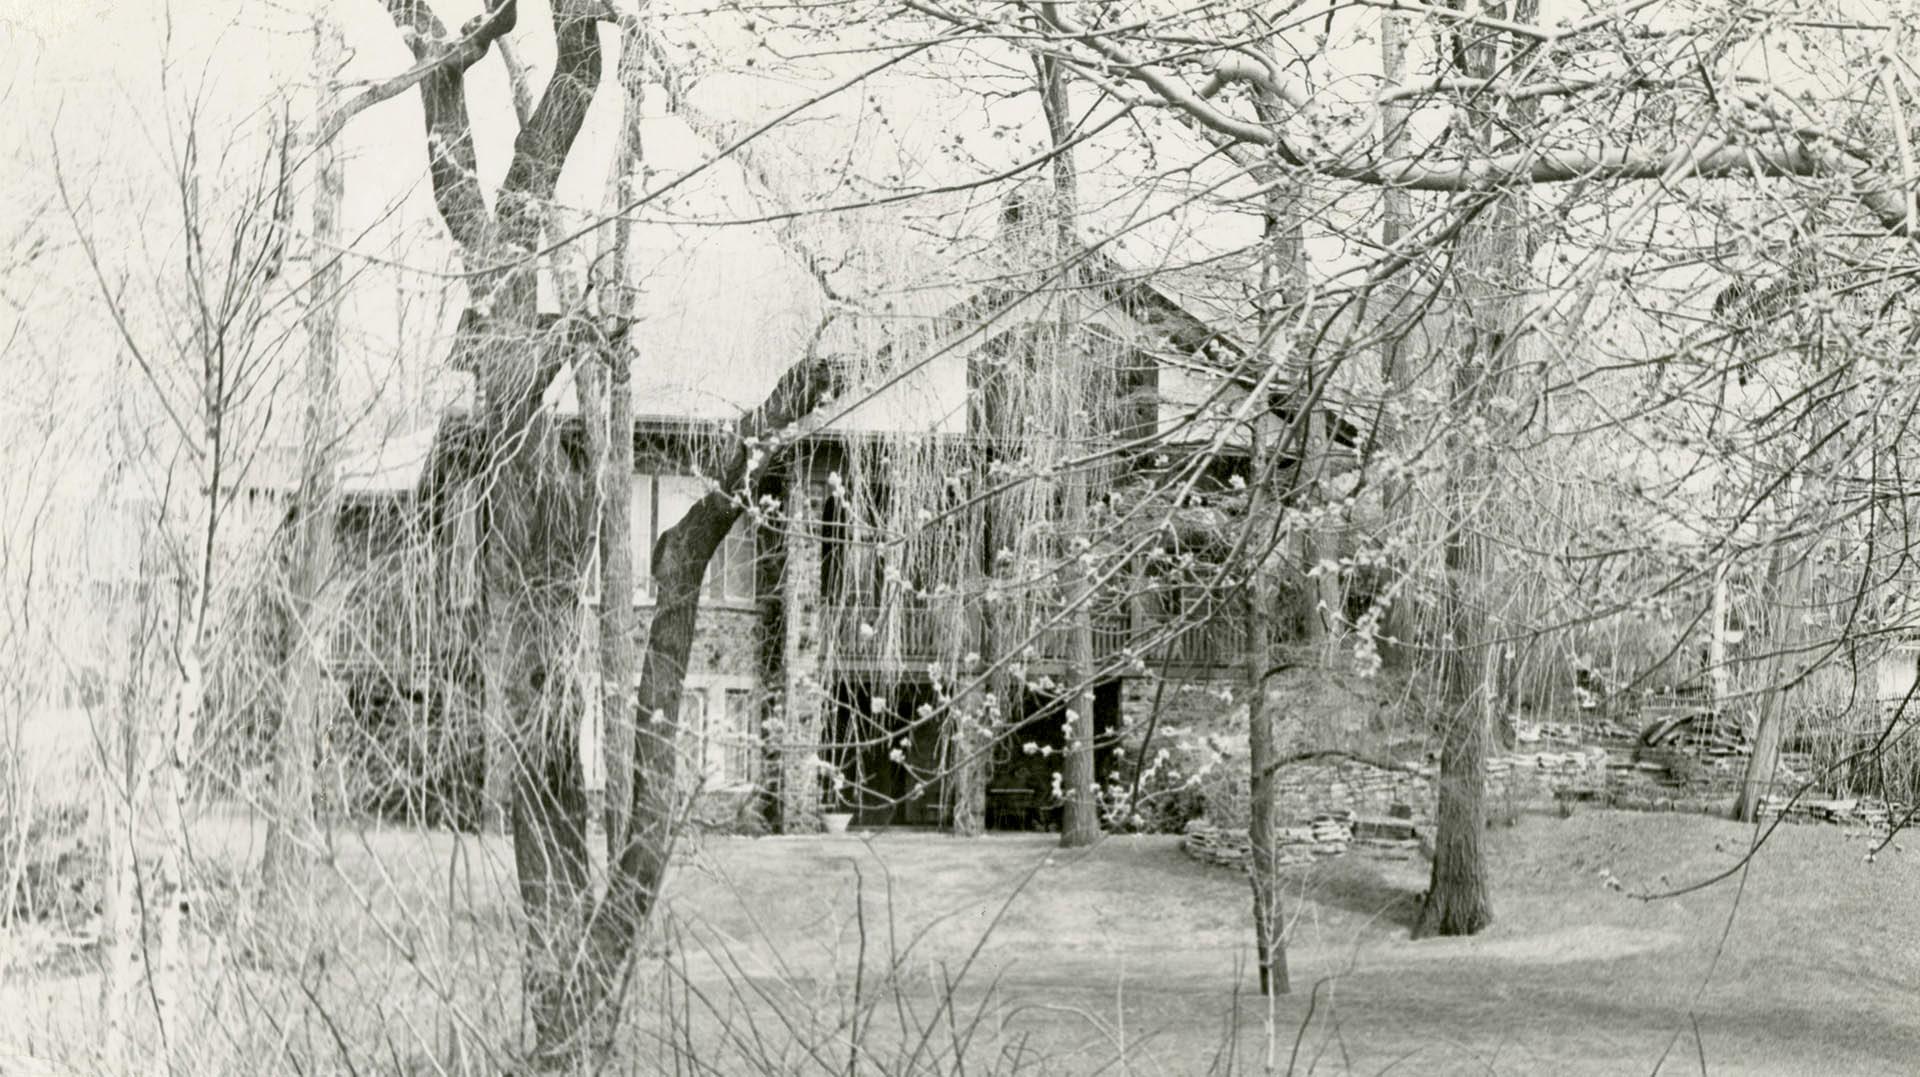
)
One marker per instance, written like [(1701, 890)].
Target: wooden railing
[(916, 636), (388, 629)]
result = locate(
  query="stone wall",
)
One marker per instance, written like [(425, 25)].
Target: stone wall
[(1327, 835), (726, 643), (1514, 783), (1195, 704), (1327, 807)]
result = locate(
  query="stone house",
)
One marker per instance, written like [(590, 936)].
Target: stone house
[(802, 653)]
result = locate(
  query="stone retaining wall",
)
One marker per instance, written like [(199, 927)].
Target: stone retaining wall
[(1514, 782), (1327, 835), (1328, 808)]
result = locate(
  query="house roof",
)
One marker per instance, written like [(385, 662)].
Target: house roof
[(392, 466), (731, 254)]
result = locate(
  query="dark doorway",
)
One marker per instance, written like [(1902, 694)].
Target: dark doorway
[(886, 741), (1020, 788)]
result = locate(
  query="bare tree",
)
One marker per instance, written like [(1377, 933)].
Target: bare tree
[(291, 833), (538, 530), (201, 339), (1080, 821)]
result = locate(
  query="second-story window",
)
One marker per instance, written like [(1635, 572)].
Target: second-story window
[(661, 501)]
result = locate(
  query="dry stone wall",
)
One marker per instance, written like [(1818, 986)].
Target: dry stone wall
[(1331, 807), (1328, 807)]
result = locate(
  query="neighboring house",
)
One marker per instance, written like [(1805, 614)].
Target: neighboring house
[(802, 649)]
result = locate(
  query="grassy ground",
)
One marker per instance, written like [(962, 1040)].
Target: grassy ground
[(1819, 972), (1133, 958)]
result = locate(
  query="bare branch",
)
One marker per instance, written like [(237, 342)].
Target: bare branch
[(451, 159), (463, 53), (517, 79), (1803, 152), (547, 136)]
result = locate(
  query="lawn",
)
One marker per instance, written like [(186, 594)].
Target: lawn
[(1130, 958), (1819, 972)]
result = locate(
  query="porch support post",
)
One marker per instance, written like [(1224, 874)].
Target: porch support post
[(803, 690)]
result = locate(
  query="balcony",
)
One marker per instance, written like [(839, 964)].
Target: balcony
[(387, 630), (1189, 643)]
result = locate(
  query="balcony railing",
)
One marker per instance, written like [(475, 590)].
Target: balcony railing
[(912, 636), (388, 628)]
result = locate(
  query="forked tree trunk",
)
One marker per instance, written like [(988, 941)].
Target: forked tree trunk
[(536, 539), (581, 1025), (585, 947)]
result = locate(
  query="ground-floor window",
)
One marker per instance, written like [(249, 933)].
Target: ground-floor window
[(720, 735)]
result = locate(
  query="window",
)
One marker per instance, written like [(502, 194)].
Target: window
[(739, 742), (640, 518), (659, 502), (673, 496), (720, 746), (730, 577)]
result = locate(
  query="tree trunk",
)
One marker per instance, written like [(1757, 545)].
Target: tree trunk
[(1080, 823), (291, 829), (1399, 623), (579, 1011), (1282, 272), (803, 697), (119, 928), (1489, 272), (1321, 598), (1717, 646), (540, 530), (1457, 896), (537, 537), (971, 752), (617, 629), (1263, 867), (167, 899), (581, 1024), (1458, 901), (1787, 594), (496, 719), (969, 744)]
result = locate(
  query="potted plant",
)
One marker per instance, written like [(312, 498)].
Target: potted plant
[(837, 815), (838, 820)]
